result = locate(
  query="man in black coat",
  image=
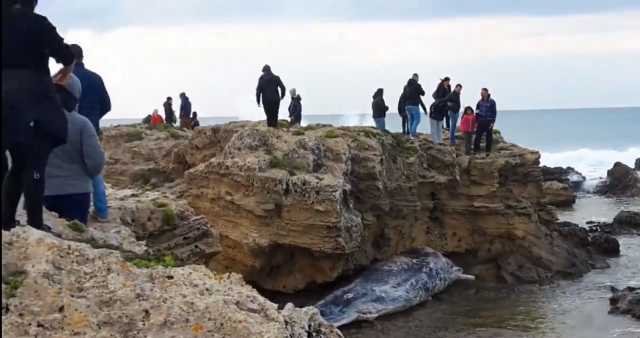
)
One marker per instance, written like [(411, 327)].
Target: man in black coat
[(267, 90), (33, 122), (169, 113)]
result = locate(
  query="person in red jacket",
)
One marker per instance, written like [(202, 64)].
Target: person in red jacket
[(156, 119), (468, 128)]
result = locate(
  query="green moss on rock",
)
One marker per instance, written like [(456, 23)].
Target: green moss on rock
[(76, 226), (169, 217)]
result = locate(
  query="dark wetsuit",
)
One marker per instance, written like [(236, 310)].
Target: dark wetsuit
[(33, 122)]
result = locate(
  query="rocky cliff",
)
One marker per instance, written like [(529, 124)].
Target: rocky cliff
[(304, 206)]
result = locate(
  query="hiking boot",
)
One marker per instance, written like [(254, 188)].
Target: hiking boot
[(98, 219)]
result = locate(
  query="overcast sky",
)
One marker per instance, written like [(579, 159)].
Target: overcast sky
[(531, 54)]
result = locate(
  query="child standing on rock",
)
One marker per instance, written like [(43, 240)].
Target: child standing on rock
[(468, 128)]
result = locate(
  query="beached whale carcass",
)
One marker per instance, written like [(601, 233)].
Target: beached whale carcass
[(391, 286)]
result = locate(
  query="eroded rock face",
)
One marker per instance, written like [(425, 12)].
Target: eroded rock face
[(625, 302), (637, 164), (622, 181), (558, 194), (302, 207), (57, 288)]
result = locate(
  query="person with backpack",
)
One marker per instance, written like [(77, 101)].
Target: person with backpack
[(33, 121), (486, 113), (380, 109), (267, 91)]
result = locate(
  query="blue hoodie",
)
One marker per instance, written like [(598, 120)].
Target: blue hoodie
[(486, 109)]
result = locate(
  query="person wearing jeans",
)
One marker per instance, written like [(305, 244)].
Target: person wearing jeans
[(454, 109), (94, 105), (486, 113), (436, 130), (412, 95)]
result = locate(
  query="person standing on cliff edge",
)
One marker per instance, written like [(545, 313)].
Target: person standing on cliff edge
[(94, 104), (267, 90), (486, 113), (185, 111)]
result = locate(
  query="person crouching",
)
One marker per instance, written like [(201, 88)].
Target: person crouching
[(72, 166)]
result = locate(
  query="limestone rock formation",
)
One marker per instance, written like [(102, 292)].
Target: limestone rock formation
[(305, 206), (569, 176), (57, 288), (622, 181), (558, 194), (625, 302)]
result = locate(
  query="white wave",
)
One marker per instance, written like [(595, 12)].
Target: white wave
[(354, 119), (590, 162)]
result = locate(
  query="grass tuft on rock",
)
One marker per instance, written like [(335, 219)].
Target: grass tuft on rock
[(160, 204), (331, 134), (77, 227), (298, 132), (133, 135), (169, 217), (286, 164), (148, 263), (283, 124), (13, 284)]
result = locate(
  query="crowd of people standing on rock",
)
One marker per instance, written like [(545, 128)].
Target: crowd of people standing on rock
[(443, 114), (51, 125)]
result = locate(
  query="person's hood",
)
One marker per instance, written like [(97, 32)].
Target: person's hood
[(412, 82), (297, 97), (378, 93), (73, 86)]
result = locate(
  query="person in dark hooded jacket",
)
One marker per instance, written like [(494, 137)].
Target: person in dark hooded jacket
[(380, 109), (33, 122), (413, 93), (402, 111), (295, 108), (169, 113), (185, 111), (267, 90), (440, 95)]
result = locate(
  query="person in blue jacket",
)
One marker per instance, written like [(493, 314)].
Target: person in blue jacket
[(94, 104), (486, 113)]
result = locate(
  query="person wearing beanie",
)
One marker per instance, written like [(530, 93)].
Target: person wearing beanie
[(33, 122), (72, 166), (267, 90)]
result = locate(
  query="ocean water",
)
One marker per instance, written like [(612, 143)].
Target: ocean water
[(590, 140)]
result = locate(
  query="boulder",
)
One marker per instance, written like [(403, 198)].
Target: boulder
[(57, 288), (622, 181), (630, 219), (568, 176), (605, 244), (625, 302), (305, 206), (625, 223), (558, 194)]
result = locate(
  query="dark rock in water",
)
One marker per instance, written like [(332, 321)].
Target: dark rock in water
[(605, 244), (625, 223), (622, 181), (578, 235), (391, 286), (637, 166), (628, 219), (569, 176), (625, 302)]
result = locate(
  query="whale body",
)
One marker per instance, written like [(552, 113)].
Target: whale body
[(391, 286)]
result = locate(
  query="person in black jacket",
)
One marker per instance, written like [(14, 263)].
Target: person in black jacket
[(413, 93), (33, 122), (267, 90), (185, 111), (453, 102), (440, 95), (169, 113), (402, 111), (380, 109), (295, 108)]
